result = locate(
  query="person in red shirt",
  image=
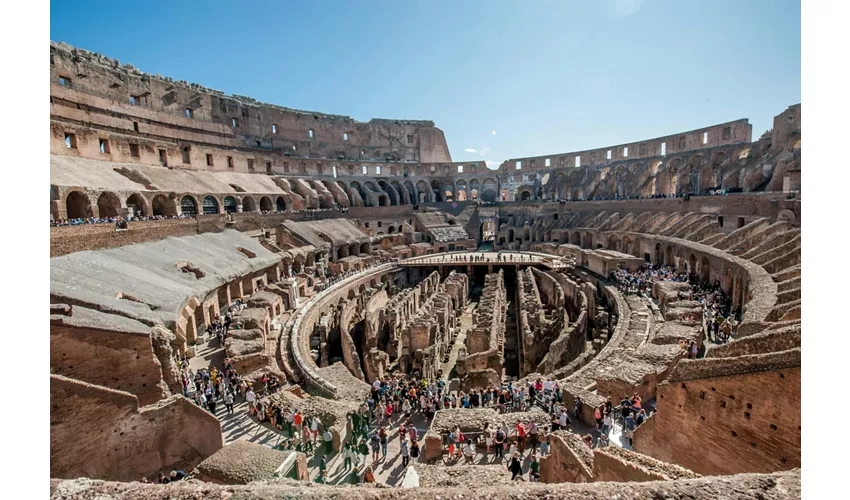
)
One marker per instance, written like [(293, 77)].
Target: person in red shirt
[(520, 436)]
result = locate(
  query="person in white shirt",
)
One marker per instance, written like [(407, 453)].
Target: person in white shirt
[(468, 452), (314, 427)]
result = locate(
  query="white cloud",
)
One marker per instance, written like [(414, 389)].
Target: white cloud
[(492, 164), (470, 150), (485, 151), (493, 132)]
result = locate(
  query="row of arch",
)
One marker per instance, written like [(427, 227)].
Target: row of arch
[(383, 192), (78, 205), (671, 177)]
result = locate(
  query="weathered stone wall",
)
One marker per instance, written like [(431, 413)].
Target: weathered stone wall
[(486, 339), (621, 465), (716, 421), (117, 360), (122, 441), (778, 486), (569, 460)]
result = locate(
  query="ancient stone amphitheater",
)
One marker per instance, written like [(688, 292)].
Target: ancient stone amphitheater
[(348, 251)]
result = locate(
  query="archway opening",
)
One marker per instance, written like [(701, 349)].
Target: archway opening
[(229, 205), (136, 205), (108, 204), (266, 204), (163, 207), (77, 205), (280, 204), (248, 204), (188, 206), (210, 205)]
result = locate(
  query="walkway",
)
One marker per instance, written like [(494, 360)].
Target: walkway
[(486, 258)]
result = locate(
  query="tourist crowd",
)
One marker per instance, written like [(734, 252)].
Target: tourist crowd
[(641, 280)]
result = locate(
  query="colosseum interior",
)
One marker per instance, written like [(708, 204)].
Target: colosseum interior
[(339, 253)]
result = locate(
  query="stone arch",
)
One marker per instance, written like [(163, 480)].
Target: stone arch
[(628, 246), (692, 174), (489, 189), (163, 206), (671, 262), (424, 192), (705, 269), (266, 204), (461, 190), (448, 191), (139, 204), (435, 189), (210, 205), (365, 248), (786, 215), (230, 205), (108, 204), (614, 243), (524, 193), (403, 195), (189, 206), (248, 204), (588, 240), (77, 205), (692, 264), (575, 238), (474, 189), (674, 165), (408, 186), (280, 204)]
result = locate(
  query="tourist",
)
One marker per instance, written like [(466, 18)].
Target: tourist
[(384, 439), (468, 451), (602, 441), (499, 441), (314, 427), (362, 452), (328, 438), (177, 475), (629, 427), (520, 436), (544, 445), (607, 423), (488, 436), (414, 450), (375, 442), (534, 469), (533, 435), (250, 398), (368, 475), (515, 468), (405, 453)]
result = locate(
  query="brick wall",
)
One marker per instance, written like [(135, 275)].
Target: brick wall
[(727, 424), (121, 361), (569, 460), (103, 434)]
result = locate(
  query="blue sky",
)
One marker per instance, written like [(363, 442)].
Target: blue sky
[(503, 78)]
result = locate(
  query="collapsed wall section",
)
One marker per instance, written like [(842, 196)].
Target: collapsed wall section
[(104, 434)]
